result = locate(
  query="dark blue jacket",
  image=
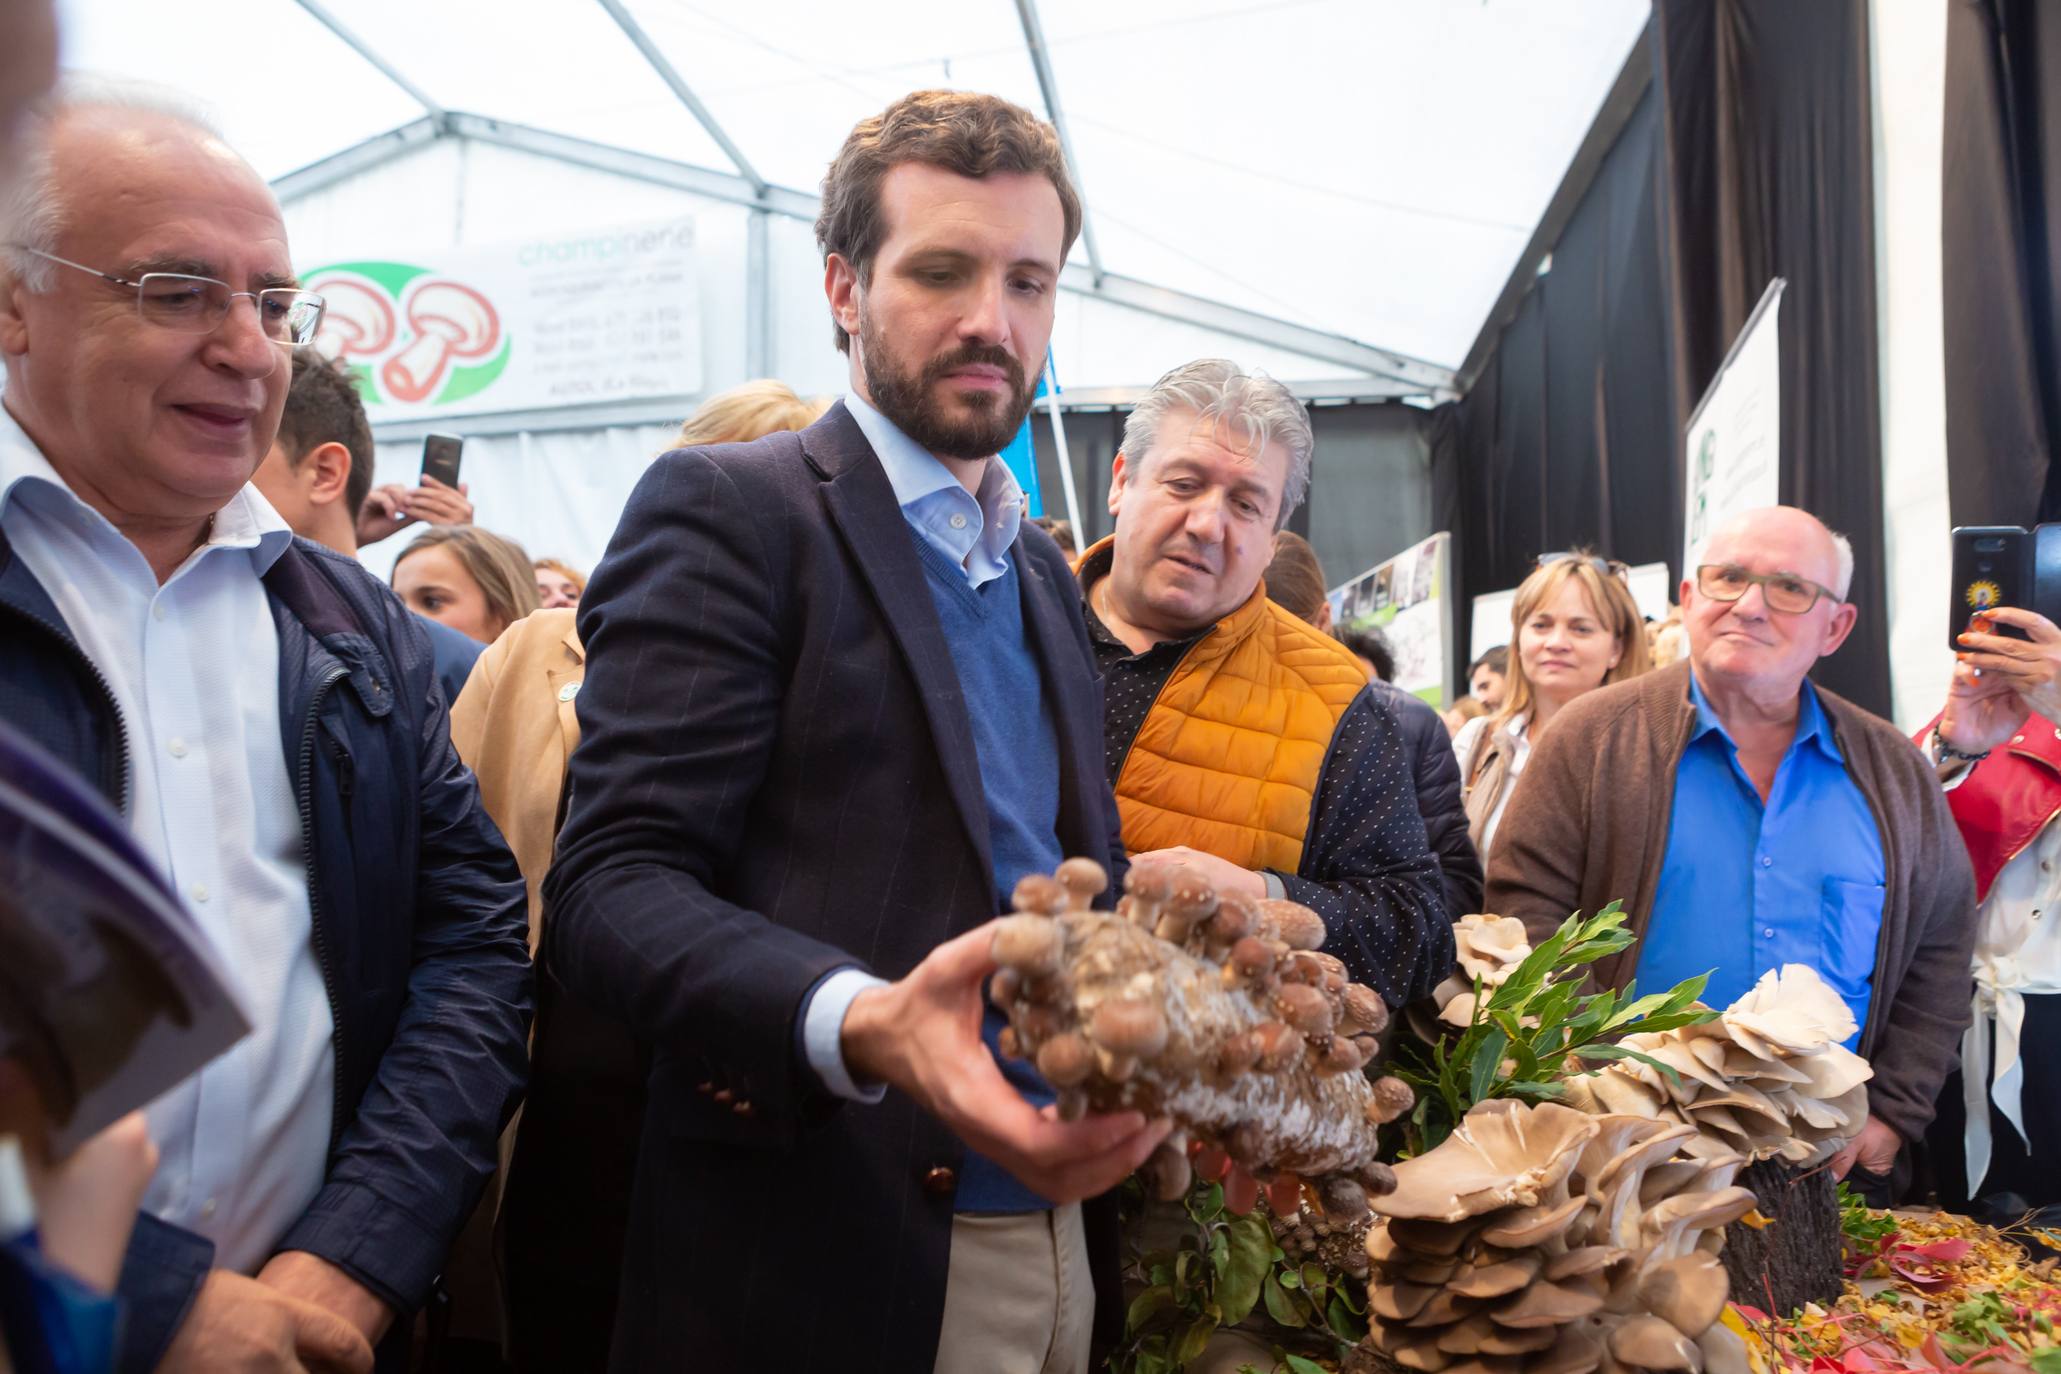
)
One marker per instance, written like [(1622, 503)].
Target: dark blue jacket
[(1437, 775), (777, 777), (419, 922)]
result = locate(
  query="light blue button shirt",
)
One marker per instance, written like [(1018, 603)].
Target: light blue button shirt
[(976, 535), (1747, 887), (975, 532)]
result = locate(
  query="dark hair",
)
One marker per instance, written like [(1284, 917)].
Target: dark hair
[(1496, 660), (1061, 532), (1295, 579), (323, 407), (1371, 645), (961, 131)]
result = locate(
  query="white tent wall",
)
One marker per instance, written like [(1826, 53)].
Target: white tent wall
[(1909, 66), (557, 484)]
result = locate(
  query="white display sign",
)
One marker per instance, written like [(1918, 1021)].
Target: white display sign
[(1734, 440), (1407, 599), (532, 324)]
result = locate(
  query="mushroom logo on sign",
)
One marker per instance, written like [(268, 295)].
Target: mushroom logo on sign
[(412, 336)]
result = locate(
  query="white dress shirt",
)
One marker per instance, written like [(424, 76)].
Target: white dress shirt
[(976, 534), (2017, 953), (194, 669), (1520, 754)]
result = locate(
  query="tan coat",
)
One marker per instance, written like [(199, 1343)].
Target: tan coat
[(514, 726), (1588, 823)]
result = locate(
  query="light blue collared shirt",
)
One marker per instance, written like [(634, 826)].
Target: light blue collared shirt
[(1747, 887), (975, 532)]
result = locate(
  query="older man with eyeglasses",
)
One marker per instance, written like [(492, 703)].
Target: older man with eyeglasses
[(265, 715), (1749, 819)]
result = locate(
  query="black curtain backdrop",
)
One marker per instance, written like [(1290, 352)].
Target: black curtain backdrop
[(1749, 157), (2001, 236), (1568, 434)]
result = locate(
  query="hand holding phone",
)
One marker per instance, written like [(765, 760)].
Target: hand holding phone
[(1992, 570)]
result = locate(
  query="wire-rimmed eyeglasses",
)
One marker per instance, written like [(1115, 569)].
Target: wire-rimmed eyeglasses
[(1786, 592), (198, 305)]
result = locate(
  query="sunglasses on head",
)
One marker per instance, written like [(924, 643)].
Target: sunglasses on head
[(1609, 567)]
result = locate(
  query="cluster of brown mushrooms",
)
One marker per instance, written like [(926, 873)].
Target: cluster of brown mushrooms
[(1769, 1078), (1546, 1239), (1216, 1009)]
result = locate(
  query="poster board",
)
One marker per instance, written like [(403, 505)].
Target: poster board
[(529, 324), (1733, 445), (1409, 599)]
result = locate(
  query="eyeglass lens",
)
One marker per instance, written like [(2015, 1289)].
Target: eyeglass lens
[(198, 304), (1785, 592)]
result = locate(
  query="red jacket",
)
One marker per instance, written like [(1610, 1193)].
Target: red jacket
[(2008, 798)]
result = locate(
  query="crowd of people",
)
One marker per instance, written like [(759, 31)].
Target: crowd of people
[(694, 860)]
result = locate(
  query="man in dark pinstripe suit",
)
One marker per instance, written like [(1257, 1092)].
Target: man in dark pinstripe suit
[(840, 696)]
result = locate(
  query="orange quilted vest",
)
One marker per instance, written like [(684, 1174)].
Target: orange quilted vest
[(1229, 757)]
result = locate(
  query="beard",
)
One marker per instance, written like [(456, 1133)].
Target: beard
[(908, 399)]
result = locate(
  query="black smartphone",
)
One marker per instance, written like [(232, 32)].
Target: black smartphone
[(440, 454), (1992, 568)]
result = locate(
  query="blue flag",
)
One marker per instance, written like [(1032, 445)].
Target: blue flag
[(1021, 455)]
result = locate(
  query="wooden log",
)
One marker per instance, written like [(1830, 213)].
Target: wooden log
[(1798, 1257)]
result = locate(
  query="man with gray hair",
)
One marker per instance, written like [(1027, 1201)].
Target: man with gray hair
[(264, 714), (1242, 741), (1749, 820)]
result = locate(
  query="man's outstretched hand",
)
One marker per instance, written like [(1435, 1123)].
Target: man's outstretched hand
[(922, 1036)]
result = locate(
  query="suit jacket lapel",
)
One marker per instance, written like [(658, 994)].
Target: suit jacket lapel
[(863, 505)]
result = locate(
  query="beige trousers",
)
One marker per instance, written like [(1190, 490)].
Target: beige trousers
[(1018, 1299)]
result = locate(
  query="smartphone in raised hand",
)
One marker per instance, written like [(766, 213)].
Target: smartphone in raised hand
[(440, 455), (1992, 568)]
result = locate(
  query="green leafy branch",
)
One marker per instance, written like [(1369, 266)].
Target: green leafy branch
[(1538, 1026), (1223, 1268)]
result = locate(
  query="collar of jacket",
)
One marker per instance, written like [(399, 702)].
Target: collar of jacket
[(1096, 562), (2006, 800)]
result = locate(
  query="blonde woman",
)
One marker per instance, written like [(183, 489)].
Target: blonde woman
[(470, 579), (1574, 627), (559, 584), (747, 412)]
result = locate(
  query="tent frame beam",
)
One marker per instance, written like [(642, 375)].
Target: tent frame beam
[(1417, 377), (1041, 62), (670, 74), (371, 55)]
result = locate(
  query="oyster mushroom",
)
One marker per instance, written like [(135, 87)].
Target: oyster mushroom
[(1545, 1304), (1688, 1293), (1647, 1342)]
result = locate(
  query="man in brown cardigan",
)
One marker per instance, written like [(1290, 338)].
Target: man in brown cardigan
[(1600, 815)]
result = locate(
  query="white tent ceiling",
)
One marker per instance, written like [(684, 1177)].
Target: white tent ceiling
[(1370, 169)]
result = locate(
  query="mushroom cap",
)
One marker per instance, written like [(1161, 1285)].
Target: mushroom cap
[(1150, 882), (1083, 879), (1723, 1351), (1191, 897), (1545, 1304), (1344, 1054), (1129, 1026), (1364, 1008), (1687, 1293), (1791, 1009), (1066, 1060), (1236, 916), (1534, 1225), (1390, 1099), (1237, 1054), (1433, 1238), (1458, 1010), (1833, 1072), (1445, 1308), (1488, 947), (1252, 956), (1380, 1246), (1029, 944), (1303, 1007), (1292, 923), (1280, 1047), (1038, 895), (1647, 1342), (1504, 1153), (1398, 1302), (1577, 1348), (1465, 1336), (1344, 1199), (1583, 1261), (1501, 1340), (1497, 1279)]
